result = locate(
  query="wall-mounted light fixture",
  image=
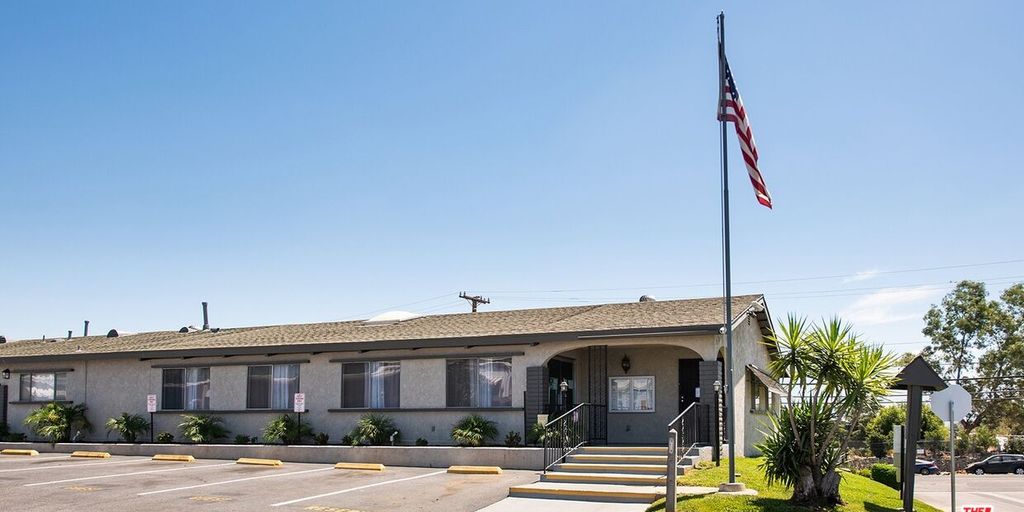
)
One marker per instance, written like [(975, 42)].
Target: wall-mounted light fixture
[(563, 386), (626, 365), (6, 374)]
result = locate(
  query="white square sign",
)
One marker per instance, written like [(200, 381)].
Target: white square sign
[(150, 403), (300, 402)]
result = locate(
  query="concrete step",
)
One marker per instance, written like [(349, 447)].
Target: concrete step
[(604, 478), (616, 459), (623, 450), (593, 467), (608, 493)]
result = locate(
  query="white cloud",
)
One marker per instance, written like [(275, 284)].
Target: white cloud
[(862, 276), (890, 305)]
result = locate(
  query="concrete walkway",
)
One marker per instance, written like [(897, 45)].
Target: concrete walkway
[(545, 505)]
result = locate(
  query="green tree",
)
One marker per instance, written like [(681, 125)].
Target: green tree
[(128, 426), (287, 430), (959, 327), (983, 342), (933, 432), (831, 380), (56, 421)]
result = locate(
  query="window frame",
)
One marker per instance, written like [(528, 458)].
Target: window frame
[(490, 360), (184, 388), (366, 382), (632, 410), (270, 387), (53, 387)]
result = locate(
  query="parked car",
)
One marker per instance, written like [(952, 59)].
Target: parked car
[(925, 467), (1001, 463)]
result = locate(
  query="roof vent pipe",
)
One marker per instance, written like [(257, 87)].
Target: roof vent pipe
[(3, 339), (206, 317), (85, 332), (69, 334)]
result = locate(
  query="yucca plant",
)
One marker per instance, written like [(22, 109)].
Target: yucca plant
[(200, 428), (128, 426), (838, 379), (375, 430), (286, 430), (474, 430), (56, 421)]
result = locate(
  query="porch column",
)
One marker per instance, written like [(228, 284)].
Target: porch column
[(536, 394), (710, 371)]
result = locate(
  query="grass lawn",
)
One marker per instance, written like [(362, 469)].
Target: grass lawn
[(860, 494)]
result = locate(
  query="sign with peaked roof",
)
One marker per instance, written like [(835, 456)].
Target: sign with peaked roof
[(919, 373)]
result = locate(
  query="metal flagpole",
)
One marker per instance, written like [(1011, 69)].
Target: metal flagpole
[(730, 423)]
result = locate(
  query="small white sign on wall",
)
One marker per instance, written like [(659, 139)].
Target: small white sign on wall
[(300, 402), (150, 403)]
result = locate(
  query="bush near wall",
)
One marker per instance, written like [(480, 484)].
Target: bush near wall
[(886, 474)]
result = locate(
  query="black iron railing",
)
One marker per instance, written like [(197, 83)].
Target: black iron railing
[(693, 427), (566, 433)]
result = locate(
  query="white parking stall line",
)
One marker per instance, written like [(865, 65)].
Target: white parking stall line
[(357, 488), (24, 458), (76, 465), (225, 482), (127, 474)]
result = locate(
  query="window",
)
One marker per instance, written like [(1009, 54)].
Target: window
[(483, 382), (370, 385), (758, 394), (43, 387), (186, 389), (631, 394), (272, 386)]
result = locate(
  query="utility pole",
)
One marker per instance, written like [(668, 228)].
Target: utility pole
[(474, 300)]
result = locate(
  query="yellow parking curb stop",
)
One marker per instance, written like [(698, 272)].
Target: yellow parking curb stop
[(475, 470), (12, 451), (168, 457), (259, 462), (359, 465), (91, 455)]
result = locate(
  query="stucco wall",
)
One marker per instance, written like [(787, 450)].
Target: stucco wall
[(748, 348)]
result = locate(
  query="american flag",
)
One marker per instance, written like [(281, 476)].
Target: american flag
[(731, 111)]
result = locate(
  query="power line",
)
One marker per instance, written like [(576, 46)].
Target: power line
[(765, 281)]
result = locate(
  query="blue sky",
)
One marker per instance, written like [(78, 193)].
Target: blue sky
[(328, 160)]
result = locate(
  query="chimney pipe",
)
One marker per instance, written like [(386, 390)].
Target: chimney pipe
[(69, 334), (206, 318), (86, 332)]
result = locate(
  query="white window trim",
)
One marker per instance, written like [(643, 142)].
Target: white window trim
[(654, 402)]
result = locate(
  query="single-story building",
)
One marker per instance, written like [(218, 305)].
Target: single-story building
[(640, 364)]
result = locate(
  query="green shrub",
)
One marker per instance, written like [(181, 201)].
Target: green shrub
[(321, 438), (705, 464), (536, 434), (242, 439), (375, 430), (348, 440), (513, 439), (200, 428), (885, 473), (474, 430), (421, 442), (5, 430), (286, 430), (55, 421), (128, 426), (1015, 445), (864, 472), (165, 437)]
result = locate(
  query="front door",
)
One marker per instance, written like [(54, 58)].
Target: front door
[(559, 401), (689, 382)]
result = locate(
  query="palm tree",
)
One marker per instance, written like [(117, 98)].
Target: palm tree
[(55, 421), (128, 426), (831, 379)]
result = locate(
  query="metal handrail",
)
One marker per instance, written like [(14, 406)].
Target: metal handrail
[(567, 433), (677, 418)]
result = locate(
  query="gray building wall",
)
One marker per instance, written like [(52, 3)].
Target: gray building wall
[(112, 386)]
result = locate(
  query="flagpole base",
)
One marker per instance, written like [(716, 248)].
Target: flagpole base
[(736, 489)]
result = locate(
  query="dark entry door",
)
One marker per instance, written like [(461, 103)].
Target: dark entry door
[(3, 408), (689, 382), (558, 401)]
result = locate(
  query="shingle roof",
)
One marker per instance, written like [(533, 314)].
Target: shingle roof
[(689, 313)]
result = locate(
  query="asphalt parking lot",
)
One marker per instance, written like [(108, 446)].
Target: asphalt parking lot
[(52, 482), (1004, 493)]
